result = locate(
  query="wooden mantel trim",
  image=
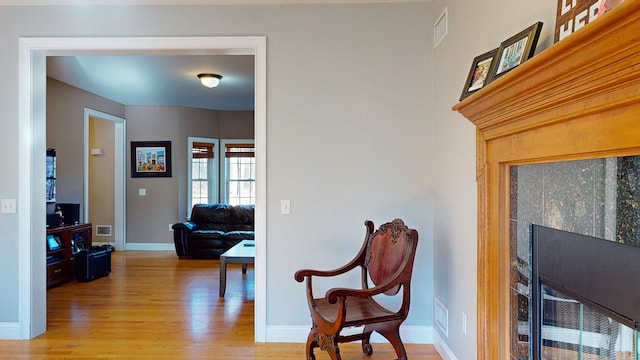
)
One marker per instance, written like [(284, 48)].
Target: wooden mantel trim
[(574, 76), (579, 98)]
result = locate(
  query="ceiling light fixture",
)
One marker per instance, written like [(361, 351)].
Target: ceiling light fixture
[(209, 80)]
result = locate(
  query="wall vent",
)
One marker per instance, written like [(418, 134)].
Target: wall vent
[(440, 28), (103, 230), (442, 317)]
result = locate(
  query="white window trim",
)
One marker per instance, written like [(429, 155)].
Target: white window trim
[(225, 168), (214, 173)]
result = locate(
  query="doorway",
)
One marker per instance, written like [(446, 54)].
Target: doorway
[(32, 121), (115, 203)]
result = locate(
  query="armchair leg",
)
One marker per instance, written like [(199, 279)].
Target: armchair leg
[(367, 349), (311, 344), (326, 342), (334, 351), (393, 335)]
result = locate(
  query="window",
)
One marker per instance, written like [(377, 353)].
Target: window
[(201, 158), (214, 176), (240, 172), (203, 171)]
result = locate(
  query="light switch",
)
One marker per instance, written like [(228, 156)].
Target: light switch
[(285, 207), (8, 206), (142, 192)]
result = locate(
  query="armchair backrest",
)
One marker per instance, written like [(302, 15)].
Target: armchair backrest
[(390, 253)]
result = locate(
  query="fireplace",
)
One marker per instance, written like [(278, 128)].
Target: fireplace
[(570, 279), (577, 101)]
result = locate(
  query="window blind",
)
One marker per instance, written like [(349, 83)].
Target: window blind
[(239, 150), (202, 150)]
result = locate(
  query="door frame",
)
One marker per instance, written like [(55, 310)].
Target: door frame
[(119, 179), (32, 142)]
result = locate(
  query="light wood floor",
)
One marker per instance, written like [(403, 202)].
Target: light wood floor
[(155, 306)]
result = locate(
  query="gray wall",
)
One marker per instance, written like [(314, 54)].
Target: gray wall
[(475, 27), (65, 133), (349, 129), (148, 217)]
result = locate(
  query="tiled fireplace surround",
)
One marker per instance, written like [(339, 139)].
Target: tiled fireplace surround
[(596, 197), (577, 101)]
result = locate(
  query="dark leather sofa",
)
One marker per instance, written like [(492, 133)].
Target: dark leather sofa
[(213, 229)]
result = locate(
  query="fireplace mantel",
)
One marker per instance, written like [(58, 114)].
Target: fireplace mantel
[(578, 99), (593, 70)]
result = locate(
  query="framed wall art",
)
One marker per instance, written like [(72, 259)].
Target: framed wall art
[(151, 159), (479, 74), (516, 50), (572, 16)]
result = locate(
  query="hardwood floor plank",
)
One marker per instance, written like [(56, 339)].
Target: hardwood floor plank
[(156, 306)]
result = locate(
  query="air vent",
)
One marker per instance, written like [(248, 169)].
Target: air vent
[(442, 317), (440, 28), (103, 230)]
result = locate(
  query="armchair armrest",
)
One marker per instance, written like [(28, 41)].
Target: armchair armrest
[(391, 287), (334, 294), (301, 274), (185, 226), (180, 238)]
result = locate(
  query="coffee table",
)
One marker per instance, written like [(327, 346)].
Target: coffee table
[(242, 253)]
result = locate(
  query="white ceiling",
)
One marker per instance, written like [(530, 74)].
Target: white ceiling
[(160, 79)]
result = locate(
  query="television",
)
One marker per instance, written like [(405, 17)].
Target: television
[(53, 242)]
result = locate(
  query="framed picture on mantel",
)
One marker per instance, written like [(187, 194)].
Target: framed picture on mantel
[(479, 73), (516, 50), (151, 159)]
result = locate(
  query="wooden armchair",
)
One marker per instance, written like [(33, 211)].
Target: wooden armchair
[(386, 259)]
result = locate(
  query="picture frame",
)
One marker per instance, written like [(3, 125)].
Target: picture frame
[(516, 50), (150, 159), (479, 73)]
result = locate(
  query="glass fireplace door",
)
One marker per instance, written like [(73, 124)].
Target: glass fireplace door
[(573, 331)]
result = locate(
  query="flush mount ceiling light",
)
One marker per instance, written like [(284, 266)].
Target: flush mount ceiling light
[(209, 80)]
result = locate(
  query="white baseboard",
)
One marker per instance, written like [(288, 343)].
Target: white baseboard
[(442, 347), (150, 246), (10, 331), (287, 334), (298, 334)]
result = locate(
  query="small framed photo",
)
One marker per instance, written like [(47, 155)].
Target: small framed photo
[(516, 50), (151, 159), (479, 74)]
